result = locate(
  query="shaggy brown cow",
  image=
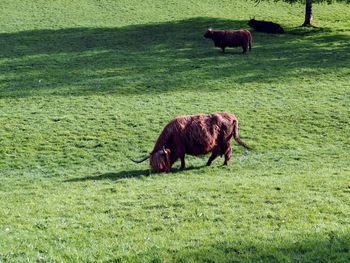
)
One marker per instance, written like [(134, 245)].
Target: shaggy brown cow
[(230, 38), (194, 135)]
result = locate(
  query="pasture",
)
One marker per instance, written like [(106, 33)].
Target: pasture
[(87, 84)]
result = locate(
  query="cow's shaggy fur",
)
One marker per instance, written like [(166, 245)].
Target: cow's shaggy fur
[(195, 135), (230, 38), (265, 26)]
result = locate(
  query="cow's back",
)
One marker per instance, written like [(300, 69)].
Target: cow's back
[(227, 122), (195, 135), (237, 38), (202, 133)]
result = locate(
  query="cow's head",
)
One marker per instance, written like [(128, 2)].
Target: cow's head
[(209, 33), (252, 22), (160, 160)]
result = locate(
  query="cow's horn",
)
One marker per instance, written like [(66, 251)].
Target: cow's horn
[(164, 151), (140, 161)]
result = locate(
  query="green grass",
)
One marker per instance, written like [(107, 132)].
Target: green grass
[(85, 85)]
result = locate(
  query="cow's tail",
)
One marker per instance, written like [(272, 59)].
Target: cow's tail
[(250, 42), (236, 137)]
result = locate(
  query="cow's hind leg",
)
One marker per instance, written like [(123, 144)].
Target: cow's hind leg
[(245, 46), (228, 155), (182, 162), (213, 156)]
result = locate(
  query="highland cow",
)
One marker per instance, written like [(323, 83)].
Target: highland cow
[(194, 135), (230, 38), (265, 26)]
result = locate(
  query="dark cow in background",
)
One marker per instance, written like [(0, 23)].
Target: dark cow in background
[(230, 38), (194, 135), (265, 26)]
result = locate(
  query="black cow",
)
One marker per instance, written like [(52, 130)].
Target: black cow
[(265, 26)]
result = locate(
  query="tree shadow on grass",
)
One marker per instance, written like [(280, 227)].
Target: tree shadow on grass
[(310, 251), (330, 247), (155, 58), (303, 31)]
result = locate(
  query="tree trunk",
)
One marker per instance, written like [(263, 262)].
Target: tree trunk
[(308, 13)]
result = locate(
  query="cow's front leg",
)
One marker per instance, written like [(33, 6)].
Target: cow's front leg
[(223, 49), (182, 162)]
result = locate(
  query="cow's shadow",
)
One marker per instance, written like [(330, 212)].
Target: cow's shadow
[(233, 52), (138, 174), (115, 176)]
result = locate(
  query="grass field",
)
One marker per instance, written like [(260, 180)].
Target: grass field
[(87, 84)]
